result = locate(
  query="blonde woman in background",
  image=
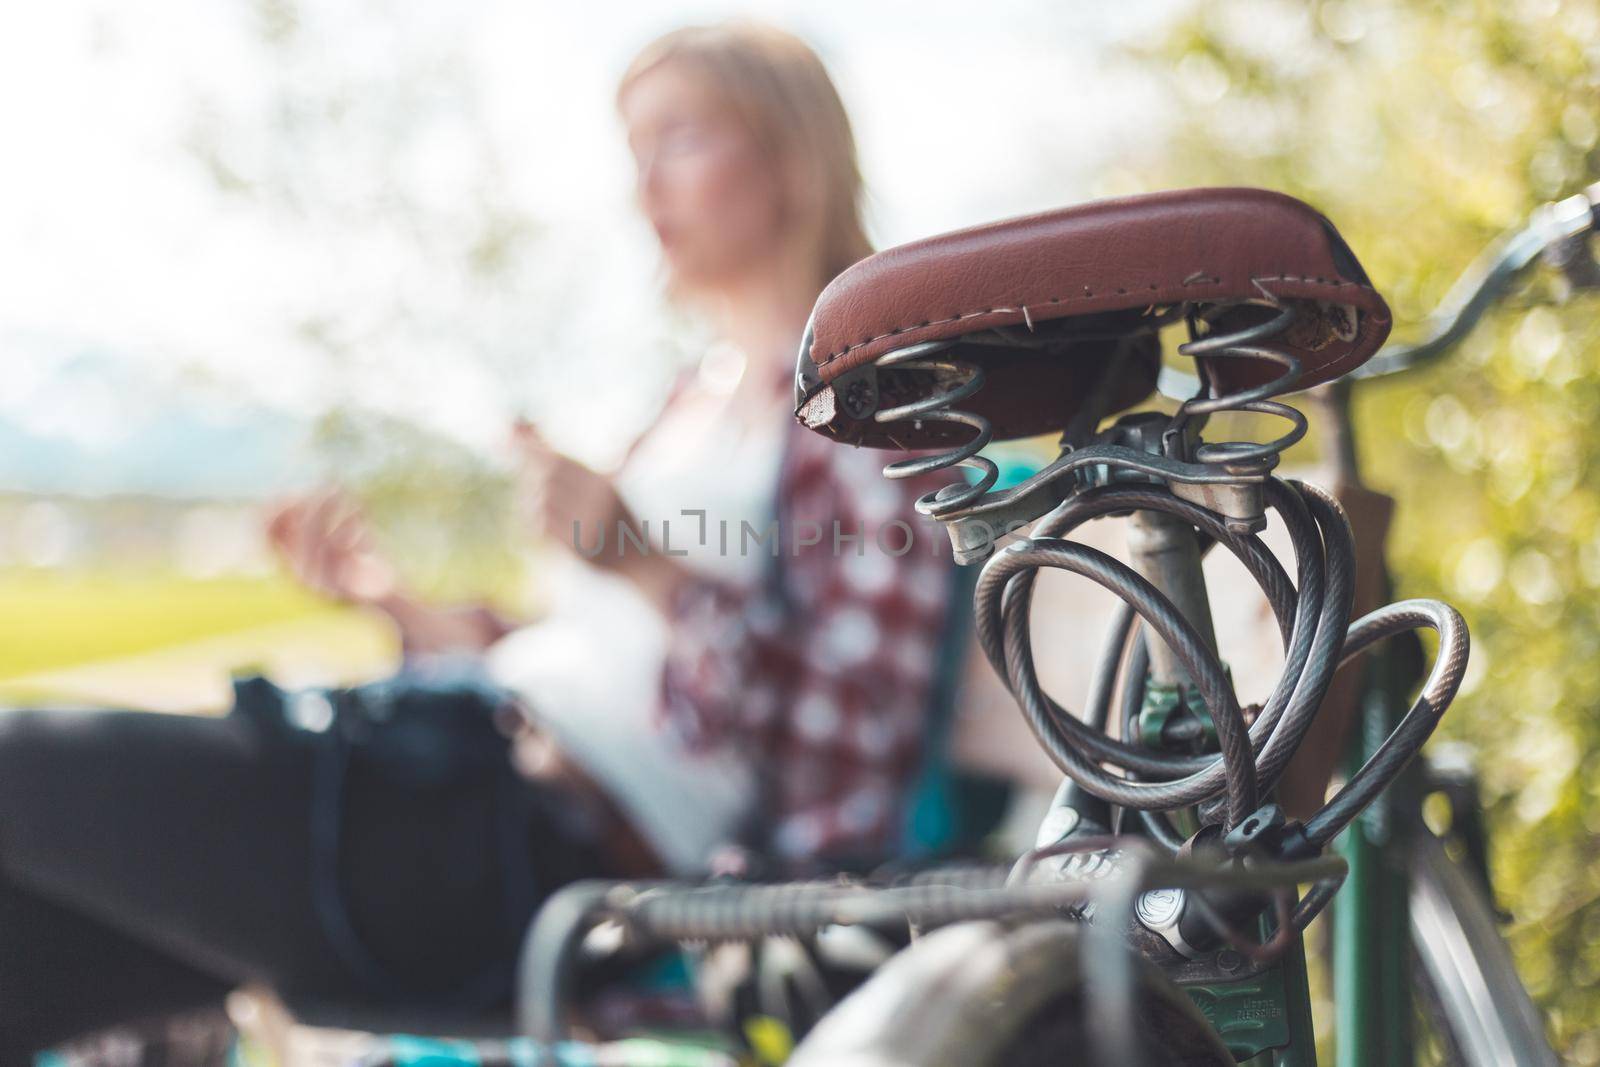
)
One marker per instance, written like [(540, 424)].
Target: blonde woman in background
[(679, 703)]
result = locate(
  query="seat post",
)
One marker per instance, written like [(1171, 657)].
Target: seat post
[(1166, 553)]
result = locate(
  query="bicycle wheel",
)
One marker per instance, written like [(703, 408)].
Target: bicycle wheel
[(982, 995), (1465, 969)]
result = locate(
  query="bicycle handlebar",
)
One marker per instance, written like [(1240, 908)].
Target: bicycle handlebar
[(1558, 229)]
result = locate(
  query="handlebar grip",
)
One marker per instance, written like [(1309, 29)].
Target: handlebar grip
[(1564, 229)]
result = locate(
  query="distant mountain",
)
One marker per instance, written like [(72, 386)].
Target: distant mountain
[(94, 424)]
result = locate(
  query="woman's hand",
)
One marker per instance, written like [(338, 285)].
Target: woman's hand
[(327, 544), (562, 500)]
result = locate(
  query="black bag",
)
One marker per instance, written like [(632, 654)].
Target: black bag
[(423, 731)]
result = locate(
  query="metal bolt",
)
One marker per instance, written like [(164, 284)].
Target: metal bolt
[(1159, 907)]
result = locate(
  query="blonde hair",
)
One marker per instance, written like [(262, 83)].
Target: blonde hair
[(777, 87)]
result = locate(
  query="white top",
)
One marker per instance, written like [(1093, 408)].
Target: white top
[(590, 670)]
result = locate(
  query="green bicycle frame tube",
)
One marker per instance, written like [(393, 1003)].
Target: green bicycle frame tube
[(1371, 981)]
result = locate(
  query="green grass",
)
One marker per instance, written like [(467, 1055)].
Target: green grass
[(51, 620)]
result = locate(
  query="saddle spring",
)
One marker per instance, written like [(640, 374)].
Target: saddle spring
[(955, 380), (1246, 343)]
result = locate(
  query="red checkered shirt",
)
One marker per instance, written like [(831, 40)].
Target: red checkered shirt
[(823, 674)]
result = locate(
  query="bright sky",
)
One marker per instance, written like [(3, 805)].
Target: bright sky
[(334, 274)]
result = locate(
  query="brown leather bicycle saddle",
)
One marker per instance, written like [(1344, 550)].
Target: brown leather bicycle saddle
[(1091, 280)]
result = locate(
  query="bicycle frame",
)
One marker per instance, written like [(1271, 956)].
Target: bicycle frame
[(1373, 1004), (1273, 1009)]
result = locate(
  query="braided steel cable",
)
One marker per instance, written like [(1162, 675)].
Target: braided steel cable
[(1312, 620), (1008, 648), (1444, 679), (1261, 563), (1003, 598)]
